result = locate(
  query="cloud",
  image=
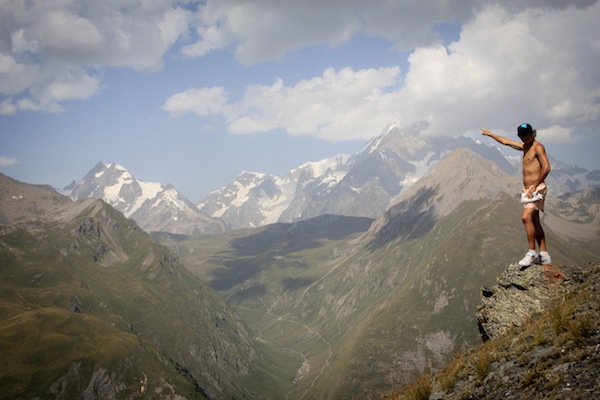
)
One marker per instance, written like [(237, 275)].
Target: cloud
[(202, 101), (54, 51), (262, 30), (289, 25), (339, 105), (537, 65), (556, 134), (7, 161), (532, 66)]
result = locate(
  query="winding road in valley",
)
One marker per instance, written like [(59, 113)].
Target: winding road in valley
[(305, 367)]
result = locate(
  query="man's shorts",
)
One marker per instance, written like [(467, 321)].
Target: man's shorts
[(539, 204)]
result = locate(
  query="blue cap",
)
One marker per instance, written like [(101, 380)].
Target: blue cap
[(524, 130)]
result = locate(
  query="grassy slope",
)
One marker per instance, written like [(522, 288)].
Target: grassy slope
[(367, 320), (435, 299), (551, 355), (140, 313)]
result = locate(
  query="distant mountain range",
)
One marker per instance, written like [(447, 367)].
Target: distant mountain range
[(368, 304), (91, 307), (155, 207), (359, 185), (363, 184), (341, 306)]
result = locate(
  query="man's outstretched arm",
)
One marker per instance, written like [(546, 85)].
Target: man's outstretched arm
[(503, 140)]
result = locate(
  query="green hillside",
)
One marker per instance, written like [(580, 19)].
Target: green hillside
[(90, 305), (363, 318)]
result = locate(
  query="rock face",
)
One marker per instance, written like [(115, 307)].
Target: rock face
[(521, 293)]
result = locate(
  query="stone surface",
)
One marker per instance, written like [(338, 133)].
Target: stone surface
[(521, 293)]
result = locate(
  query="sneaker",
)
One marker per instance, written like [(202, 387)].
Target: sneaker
[(528, 260), (545, 259)]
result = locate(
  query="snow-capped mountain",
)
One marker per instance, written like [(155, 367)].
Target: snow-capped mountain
[(362, 185), (153, 206), (256, 199), (359, 185)]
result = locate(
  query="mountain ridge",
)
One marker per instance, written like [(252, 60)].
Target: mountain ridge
[(154, 206), (406, 301), (540, 331), (91, 306), (362, 184)]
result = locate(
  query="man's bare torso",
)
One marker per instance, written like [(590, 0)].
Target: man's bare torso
[(531, 165)]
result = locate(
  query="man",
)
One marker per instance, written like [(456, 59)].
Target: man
[(536, 168)]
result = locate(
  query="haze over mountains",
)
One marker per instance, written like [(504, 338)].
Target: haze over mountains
[(362, 184), (154, 206), (92, 307), (367, 273), (369, 310)]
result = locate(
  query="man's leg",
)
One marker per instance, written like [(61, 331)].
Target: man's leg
[(540, 237), (530, 228), (528, 220)]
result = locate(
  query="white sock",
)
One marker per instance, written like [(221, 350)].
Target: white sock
[(544, 253), (532, 252)]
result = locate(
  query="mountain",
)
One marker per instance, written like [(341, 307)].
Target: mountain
[(359, 185), (461, 176), (565, 178), (155, 207), (367, 309), (364, 183), (257, 199), (92, 307)]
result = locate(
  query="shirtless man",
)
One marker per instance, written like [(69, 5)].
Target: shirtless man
[(536, 168)]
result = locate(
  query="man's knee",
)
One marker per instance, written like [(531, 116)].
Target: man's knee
[(527, 216)]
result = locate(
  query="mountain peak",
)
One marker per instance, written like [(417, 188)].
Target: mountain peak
[(361, 185), (466, 175), (152, 205)]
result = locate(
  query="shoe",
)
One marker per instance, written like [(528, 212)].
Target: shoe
[(528, 260), (545, 259)]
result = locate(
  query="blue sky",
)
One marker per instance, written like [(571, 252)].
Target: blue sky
[(191, 93)]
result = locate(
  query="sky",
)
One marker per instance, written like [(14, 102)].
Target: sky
[(194, 92)]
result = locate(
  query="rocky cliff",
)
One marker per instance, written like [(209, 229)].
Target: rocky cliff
[(542, 332), (521, 293)]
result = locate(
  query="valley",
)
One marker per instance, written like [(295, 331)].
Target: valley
[(362, 318), (327, 306)]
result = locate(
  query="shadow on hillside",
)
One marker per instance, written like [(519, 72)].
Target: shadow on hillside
[(302, 235), (409, 219), (273, 246)]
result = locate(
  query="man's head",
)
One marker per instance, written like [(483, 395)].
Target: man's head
[(524, 131)]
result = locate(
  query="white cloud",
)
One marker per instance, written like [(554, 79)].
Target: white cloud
[(556, 134), (339, 105), (537, 61), (52, 51), (538, 65), (203, 102), (7, 161), (264, 29)]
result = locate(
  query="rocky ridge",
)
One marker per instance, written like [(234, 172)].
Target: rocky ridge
[(542, 340), (92, 307), (521, 293)]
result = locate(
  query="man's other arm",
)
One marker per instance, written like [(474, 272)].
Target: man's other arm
[(503, 140)]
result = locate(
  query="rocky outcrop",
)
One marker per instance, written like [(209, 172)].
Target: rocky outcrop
[(552, 354), (521, 293)]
